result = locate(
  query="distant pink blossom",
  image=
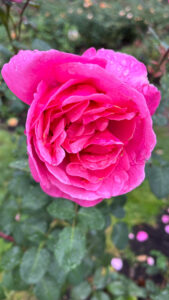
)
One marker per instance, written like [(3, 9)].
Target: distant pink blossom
[(166, 229), (142, 236), (117, 263), (131, 236), (17, 217), (150, 261), (165, 219)]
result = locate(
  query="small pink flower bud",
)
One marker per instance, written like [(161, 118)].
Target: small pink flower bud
[(166, 228), (117, 263), (131, 236), (150, 261), (17, 217), (142, 236), (165, 219)]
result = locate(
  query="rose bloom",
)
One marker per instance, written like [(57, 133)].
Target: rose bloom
[(17, 1), (89, 126)]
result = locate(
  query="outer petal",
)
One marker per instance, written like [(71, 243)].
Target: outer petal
[(26, 69), (118, 91), (130, 71), (53, 191)]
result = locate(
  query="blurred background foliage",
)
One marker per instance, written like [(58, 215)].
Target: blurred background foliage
[(37, 260)]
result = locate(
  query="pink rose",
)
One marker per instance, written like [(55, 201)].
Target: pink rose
[(17, 1), (89, 127)]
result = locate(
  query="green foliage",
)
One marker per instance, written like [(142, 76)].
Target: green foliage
[(100, 296), (11, 259), (160, 266), (91, 218), (162, 295), (34, 198), (81, 292), (40, 45), (34, 264), (47, 289), (120, 235), (117, 207), (122, 287), (62, 209), (158, 178), (70, 248), (101, 278), (21, 165)]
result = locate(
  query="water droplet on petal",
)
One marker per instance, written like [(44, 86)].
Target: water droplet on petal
[(125, 73), (117, 179), (123, 62)]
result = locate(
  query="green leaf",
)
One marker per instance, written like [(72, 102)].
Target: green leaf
[(116, 288), (161, 260), (34, 265), (159, 179), (91, 218), (77, 275), (2, 295), (120, 235), (4, 246), (21, 165), (100, 279), (5, 52), (40, 45), (62, 209), (52, 239), (81, 292), (100, 296), (70, 249), (19, 184), (118, 212), (34, 229), (151, 287), (134, 290), (163, 295), (8, 280), (3, 17), (18, 235), (47, 289), (56, 272), (11, 258), (116, 207), (160, 120), (96, 242), (8, 212), (34, 198), (13, 281)]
